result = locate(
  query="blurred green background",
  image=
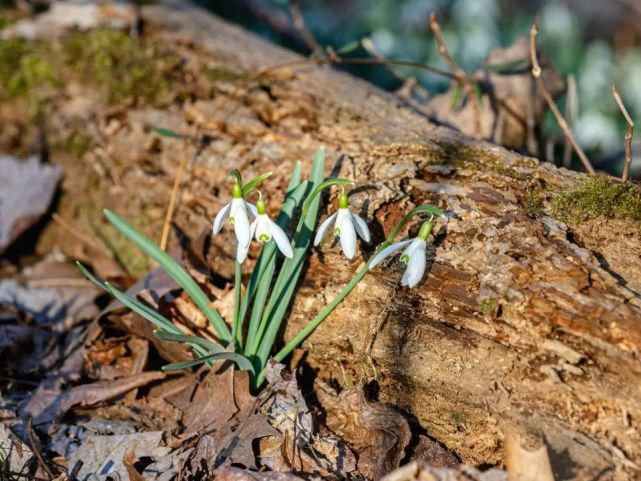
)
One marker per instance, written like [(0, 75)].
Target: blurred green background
[(597, 41)]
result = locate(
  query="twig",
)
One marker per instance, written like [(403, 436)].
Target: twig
[(460, 75), (536, 73), (301, 27), (628, 135), (172, 203), (570, 116), (35, 449)]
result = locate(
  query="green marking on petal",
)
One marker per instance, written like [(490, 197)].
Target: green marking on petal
[(264, 238), (405, 258), (337, 231)]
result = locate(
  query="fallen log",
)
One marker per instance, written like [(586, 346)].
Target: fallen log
[(530, 314)]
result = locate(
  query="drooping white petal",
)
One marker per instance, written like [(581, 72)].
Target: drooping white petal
[(241, 251), (389, 250), (361, 227), (416, 243), (221, 217), (347, 233), (252, 209), (281, 240), (263, 231), (324, 227), (238, 213), (415, 265)]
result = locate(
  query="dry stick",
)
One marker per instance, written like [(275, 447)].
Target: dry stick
[(628, 135), (536, 73), (172, 203), (301, 27), (461, 77), (36, 452), (570, 116)]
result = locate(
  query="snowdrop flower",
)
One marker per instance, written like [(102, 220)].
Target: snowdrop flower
[(267, 230), (237, 211), (346, 226), (414, 255)]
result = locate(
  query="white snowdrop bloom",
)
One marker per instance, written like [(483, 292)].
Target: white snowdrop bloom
[(346, 226), (237, 211), (266, 230), (414, 255)]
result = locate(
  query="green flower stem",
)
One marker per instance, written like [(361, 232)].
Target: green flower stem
[(314, 323), (311, 326), (237, 329)]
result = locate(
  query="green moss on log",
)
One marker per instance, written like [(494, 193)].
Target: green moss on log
[(598, 196)]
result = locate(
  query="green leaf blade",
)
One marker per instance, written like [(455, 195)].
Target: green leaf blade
[(171, 267), (241, 361)]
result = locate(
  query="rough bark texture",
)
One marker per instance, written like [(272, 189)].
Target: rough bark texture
[(520, 320)]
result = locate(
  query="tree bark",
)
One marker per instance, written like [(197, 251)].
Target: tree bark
[(520, 320)]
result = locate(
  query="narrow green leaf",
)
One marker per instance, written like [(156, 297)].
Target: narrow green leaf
[(141, 309), (175, 271), (241, 361), (457, 95), (290, 270), (164, 132), (261, 279), (348, 47), (248, 188), (237, 175), (210, 346)]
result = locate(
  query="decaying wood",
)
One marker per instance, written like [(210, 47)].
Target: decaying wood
[(520, 320)]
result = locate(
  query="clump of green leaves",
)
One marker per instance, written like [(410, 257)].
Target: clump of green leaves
[(598, 196), (126, 67), (249, 338)]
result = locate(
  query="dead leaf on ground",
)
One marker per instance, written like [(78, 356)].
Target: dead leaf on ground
[(421, 472), (26, 189), (104, 455), (87, 395), (15, 455), (430, 452), (377, 432), (236, 474), (213, 402)]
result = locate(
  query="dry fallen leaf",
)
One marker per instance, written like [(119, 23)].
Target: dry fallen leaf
[(378, 433), (26, 190), (87, 395)]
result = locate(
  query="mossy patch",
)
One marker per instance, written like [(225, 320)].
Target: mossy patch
[(598, 196), (488, 306), (223, 75), (26, 72), (461, 155), (533, 201), (126, 67)]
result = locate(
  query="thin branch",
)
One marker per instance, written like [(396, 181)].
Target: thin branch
[(536, 73), (628, 135), (172, 202), (571, 109), (301, 27), (36, 451), (460, 75)]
